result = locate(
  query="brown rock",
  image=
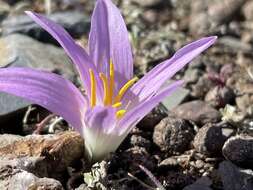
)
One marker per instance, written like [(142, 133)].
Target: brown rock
[(207, 17), (210, 138), (152, 119), (132, 157), (200, 89), (244, 103), (58, 151), (239, 150), (147, 3), (14, 178), (235, 178), (219, 97), (173, 135), (248, 10), (197, 111), (223, 11)]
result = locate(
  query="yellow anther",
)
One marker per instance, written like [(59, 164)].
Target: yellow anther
[(123, 90), (116, 105), (93, 89), (106, 89), (111, 82), (120, 113)]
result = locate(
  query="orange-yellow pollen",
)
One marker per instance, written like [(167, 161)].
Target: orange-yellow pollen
[(120, 113), (106, 89), (108, 85), (93, 88), (111, 82), (119, 104), (123, 90)]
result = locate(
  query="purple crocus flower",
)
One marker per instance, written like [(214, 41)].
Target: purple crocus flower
[(114, 101)]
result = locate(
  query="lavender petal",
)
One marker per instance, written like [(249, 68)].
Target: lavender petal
[(47, 90), (78, 55), (109, 40), (154, 79), (133, 116)]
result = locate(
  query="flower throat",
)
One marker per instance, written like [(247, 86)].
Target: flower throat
[(108, 86)]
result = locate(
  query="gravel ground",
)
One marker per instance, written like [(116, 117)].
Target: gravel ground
[(199, 139)]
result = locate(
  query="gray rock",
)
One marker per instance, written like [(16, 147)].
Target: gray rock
[(248, 10), (223, 11), (152, 119), (220, 96), (168, 163), (74, 22), (13, 178), (14, 175), (210, 139), (46, 183), (4, 10), (82, 187), (7, 139), (210, 15), (137, 140), (173, 135), (148, 3), (244, 102), (192, 75), (200, 23), (197, 187), (175, 98), (201, 184), (132, 157), (232, 44), (197, 111), (239, 150), (173, 162), (42, 155), (235, 178), (12, 2), (21, 51), (200, 89)]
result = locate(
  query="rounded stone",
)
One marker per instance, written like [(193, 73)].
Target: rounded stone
[(137, 140), (210, 139), (197, 111), (173, 135), (239, 150)]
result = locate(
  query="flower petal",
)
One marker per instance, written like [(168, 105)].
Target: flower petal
[(109, 41), (99, 140), (154, 79), (46, 89), (78, 55), (101, 118), (133, 116)]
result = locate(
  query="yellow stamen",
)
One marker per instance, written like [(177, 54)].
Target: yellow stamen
[(116, 105), (106, 89), (123, 90), (120, 113), (93, 89), (111, 82)]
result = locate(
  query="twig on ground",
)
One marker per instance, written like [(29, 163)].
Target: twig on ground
[(48, 6), (250, 73), (152, 177), (43, 123), (141, 182), (27, 113), (52, 125)]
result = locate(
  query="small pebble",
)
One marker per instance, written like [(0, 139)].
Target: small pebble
[(210, 139), (239, 150), (173, 135)]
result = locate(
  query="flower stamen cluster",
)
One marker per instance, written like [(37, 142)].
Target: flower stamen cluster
[(108, 86)]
